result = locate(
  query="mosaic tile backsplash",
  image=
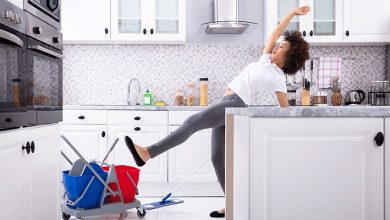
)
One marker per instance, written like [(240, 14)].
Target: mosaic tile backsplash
[(100, 74)]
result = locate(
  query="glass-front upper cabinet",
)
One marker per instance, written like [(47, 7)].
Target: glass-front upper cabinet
[(148, 20), (322, 24)]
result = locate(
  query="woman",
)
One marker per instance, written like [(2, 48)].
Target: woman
[(267, 73)]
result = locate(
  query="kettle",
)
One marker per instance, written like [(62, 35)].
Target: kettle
[(354, 97)]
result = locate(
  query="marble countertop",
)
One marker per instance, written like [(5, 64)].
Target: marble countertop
[(134, 107), (312, 111)]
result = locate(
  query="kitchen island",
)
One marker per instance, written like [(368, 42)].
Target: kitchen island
[(307, 163)]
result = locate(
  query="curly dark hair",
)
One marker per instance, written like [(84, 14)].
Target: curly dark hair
[(297, 54)]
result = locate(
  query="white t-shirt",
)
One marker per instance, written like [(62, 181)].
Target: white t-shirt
[(258, 76)]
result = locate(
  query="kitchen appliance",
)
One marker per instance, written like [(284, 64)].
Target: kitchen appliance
[(13, 78), (44, 70), (355, 97), (47, 10), (225, 14)]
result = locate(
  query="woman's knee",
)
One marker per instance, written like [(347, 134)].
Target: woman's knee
[(192, 122)]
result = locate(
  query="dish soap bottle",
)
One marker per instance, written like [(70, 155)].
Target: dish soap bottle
[(147, 98)]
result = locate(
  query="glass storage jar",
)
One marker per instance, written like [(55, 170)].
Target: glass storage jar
[(292, 97), (191, 98), (179, 99), (203, 91)]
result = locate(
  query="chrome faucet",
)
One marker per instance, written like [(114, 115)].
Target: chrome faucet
[(129, 91)]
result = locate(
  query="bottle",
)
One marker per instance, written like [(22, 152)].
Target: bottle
[(179, 99), (190, 94), (16, 92), (292, 97), (147, 98), (203, 91)]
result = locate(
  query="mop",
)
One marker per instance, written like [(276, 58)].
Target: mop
[(167, 201)]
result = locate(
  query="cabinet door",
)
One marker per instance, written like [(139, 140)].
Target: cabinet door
[(186, 157), (86, 20), (156, 169), (89, 140), (129, 20), (316, 168), (324, 21), (365, 25), (387, 169), (41, 173), (11, 152), (167, 20)]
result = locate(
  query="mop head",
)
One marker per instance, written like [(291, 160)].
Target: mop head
[(160, 204)]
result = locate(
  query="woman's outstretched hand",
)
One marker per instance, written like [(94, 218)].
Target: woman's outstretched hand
[(301, 10)]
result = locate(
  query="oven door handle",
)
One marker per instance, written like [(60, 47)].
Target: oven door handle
[(46, 51), (11, 37)]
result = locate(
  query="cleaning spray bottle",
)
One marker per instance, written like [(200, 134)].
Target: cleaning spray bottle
[(147, 98)]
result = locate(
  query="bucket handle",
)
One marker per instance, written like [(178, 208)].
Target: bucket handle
[(132, 182), (73, 203)]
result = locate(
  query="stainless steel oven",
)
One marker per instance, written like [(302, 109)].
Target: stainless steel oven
[(13, 77), (44, 71), (47, 10)]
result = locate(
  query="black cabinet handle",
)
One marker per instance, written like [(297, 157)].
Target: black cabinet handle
[(27, 147), (103, 133), (106, 30), (137, 129), (137, 118), (151, 31), (311, 33), (347, 33), (144, 31), (32, 146), (81, 117), (379, 139), (304, 33), (8, 120)]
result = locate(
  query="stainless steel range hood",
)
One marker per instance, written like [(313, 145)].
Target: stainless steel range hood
[(225, 14)]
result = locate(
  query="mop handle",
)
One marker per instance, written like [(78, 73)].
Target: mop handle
[(191, 174), (112, 148)]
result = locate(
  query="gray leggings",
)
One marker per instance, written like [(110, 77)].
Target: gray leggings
[(212, 117)]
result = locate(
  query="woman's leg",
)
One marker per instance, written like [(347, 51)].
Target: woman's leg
[(213, 116), (218, 153)]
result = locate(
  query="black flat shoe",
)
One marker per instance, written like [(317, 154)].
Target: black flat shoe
[(133, 151), (216, 214)]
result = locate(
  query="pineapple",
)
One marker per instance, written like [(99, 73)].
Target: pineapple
[(335, 84)]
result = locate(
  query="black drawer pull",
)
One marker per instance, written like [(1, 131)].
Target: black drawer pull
[(347, 33), (311, 33), (304, 33), (8, 120), (379, 139), (27, 147), (151, 31), (137, 129), (81, 117), (144, 31), (32, 146), (137, 118), (103, 133)]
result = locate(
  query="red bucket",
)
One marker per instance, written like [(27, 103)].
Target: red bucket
[(127, 188)]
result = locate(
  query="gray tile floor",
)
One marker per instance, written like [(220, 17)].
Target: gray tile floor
[(193, 208)]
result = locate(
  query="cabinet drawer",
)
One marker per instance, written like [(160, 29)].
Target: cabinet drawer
[(178, 117), (138, 117), (85, 117)]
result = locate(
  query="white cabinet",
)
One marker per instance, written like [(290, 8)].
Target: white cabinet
[(156, 169), (30, 180), (365, 25), (387, 169), (41, 174), (89, 139), (124, 21), (11, 174), (312, 168), (333, 21), (85, 21)]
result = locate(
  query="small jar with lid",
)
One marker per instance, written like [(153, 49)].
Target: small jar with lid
[(191, 98), (292, 97), (203, 91), (179, 99)]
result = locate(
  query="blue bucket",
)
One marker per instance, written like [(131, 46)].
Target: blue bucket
[(75, 186)]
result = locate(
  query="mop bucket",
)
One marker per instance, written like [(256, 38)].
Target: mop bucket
[(127, 185), (85, 191)]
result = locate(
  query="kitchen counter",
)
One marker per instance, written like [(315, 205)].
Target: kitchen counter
[(134, 107), (312, 111)]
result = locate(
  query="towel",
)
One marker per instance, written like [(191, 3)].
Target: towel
[(329, 67)]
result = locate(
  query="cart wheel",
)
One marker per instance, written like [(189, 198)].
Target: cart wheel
[(141, 212), (65, 216)]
